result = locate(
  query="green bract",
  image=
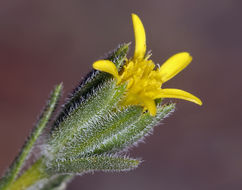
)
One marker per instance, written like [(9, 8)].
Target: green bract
[(91, 133)]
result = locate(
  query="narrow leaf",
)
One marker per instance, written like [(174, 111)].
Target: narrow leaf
[(16, 166), (100, 103), (56, 182), (90, 82), (135, 132), (95, 134), (107, 163)]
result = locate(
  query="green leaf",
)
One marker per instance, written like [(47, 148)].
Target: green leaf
[(118, 55), (18, 163), (131, 135), (56, 182), (106, 163), (91, 81), (99, 103), (97, 133)]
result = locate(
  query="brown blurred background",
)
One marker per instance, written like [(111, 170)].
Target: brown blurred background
[(45, 42)]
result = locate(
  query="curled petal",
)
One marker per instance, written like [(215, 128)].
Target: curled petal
[(106, 66), (140, 38), (180, 94), (174, 65), (150, 105)]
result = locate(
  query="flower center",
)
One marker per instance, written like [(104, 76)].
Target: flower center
[(143, 81)]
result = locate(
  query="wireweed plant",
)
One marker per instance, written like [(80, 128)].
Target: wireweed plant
[(113, 108)]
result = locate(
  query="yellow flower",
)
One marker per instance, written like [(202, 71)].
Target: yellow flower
[(143, 78)]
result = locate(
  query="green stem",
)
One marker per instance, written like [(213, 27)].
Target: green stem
[(30, 177), (15, 168)]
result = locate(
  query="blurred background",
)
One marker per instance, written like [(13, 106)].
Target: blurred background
[(43, 43)]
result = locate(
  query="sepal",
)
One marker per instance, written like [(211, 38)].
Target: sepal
[(133, 134), (106, 163), (99, 103), (97, 131), (91, 81)]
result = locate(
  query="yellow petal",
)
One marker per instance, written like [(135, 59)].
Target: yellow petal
[(150, 105), (174, 65), (106, 66), (180, 94), (140, 39)]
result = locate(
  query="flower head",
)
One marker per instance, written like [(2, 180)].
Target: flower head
[(144, 80)]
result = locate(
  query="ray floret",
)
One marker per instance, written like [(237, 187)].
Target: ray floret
[(144, 80)]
